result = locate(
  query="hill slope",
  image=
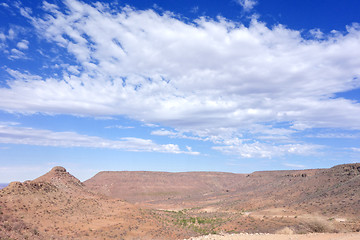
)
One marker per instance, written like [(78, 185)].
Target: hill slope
[(153, 187), (58, 206)]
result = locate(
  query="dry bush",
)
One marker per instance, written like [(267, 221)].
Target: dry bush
[(316, 225), (285, 231)]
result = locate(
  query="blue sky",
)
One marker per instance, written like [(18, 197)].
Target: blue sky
[(231, 85)]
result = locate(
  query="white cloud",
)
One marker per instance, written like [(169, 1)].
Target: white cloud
[(73, 69), (194, 9), (16, 54), (247, 4), (2, 36), (211, 80), (334, 135), (175, 134), (151, 125), (24, 44), (120, 127), (164, 132), (317, 33), (9, 123), (11, 34), (4, 5), (23, 76), (40, 137), (264, 150), (300, 166)]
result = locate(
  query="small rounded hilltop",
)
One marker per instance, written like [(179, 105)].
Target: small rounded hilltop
[(58, 169)]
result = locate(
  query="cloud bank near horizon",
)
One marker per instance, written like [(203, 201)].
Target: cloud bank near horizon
[(12, 134), (246, 89)]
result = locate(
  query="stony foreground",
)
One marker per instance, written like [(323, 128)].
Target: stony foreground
[(312, 236)]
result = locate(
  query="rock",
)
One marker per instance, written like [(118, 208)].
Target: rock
[(58, 169)]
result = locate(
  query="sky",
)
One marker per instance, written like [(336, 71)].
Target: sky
[(216, 85)]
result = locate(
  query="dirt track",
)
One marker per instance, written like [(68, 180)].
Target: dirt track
[(317, 236)]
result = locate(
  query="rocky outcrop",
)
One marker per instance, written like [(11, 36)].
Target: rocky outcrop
[(29, 187), (346, 169), (59, 177)]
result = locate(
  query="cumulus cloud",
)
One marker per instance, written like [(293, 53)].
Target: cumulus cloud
[(24, 44), (6, 37), (316, 33), (211, 79), (39, 137), (247, 4)]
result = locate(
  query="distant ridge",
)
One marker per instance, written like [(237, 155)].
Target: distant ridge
[(329, 190)]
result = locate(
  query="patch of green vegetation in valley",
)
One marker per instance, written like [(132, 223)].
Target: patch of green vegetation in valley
[(200, 224)]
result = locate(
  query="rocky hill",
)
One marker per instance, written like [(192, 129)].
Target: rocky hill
[(58, 179), (58, 206)]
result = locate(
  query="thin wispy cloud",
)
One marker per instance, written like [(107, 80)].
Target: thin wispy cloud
[(265, 150), (120, 127), (299, 166), (335, 135), (150, 125), (175, 134)]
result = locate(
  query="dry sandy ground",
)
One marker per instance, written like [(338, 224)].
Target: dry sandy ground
[(313, 236)]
